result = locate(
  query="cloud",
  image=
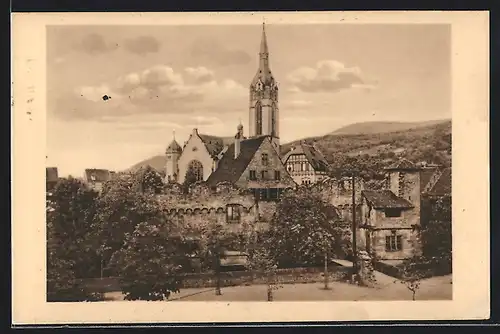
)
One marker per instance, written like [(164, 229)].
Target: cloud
[(326, 76), (155, 90), (216, 53), (142, 45), (95, 44), (94, 93), (200, 74), (297, 104)]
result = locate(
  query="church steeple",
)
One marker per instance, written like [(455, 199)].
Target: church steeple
[(264, 97), (263, 41), (264, 71)]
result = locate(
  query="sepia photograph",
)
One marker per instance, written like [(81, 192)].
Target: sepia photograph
[(263, 160)]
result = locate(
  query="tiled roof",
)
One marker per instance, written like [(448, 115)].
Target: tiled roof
[(214, 144), (385, 199), (425, 176), (97, 175), (403, 164), (314, 156), (51, 174), (174, 147), (230, 169), (443, 184)]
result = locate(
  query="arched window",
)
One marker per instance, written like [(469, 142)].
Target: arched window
[(273, 120), (195, 168), (258, 119)]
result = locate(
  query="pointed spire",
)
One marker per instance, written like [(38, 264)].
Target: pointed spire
[(173, 134), (263, 43)]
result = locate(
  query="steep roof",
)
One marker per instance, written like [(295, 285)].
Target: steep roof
[(174, 147), (230, 169), (51, 174), (314, 156), (443, 185), (403, 164), (214, 144), (385, 199), (425, 176), (97, 175)]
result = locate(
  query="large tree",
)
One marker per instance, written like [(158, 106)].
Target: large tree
[(436, 234), (149, 180), (150, 261), (212, 239), (305, 227), (121, 207), (189, 179), (71, 252)]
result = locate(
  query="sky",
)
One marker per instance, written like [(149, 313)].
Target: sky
[(166, 79)]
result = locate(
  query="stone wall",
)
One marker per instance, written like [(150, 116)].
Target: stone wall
[(235, 278), (203, 204), (410, 244)]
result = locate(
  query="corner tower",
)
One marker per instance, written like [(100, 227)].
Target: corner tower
[(173, 153), (264, 112)]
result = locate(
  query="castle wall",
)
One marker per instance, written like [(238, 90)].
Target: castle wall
[(203, 205)]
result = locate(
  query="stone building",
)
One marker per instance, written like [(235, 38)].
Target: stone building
[(95, 178), (253, 164), (228, 204), (306, 164), (51, 178), (392, 217)]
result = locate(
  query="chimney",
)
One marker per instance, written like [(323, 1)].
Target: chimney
[(237, 141)]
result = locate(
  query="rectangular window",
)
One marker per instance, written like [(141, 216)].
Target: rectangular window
[(273, 194), (393, 242), (264, 175), (253, 175), (263, 194), (393, 212), (265, 159), (277, 175), (233, 213)]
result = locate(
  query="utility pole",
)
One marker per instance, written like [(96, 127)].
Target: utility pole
[(354, 227)]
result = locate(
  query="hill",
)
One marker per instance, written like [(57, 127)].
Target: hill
[(369, 152), (157, 162), (381, 127)]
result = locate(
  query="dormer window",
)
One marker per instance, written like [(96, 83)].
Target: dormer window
[(390, 212)]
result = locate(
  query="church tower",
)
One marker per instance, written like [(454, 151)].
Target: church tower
[(173, 153), (264, 112)]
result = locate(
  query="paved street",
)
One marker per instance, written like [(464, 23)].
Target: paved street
[(436, 288)]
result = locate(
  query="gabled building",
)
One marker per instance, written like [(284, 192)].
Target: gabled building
[(391, 217), (95, 178), (253, 164), (306, 164)]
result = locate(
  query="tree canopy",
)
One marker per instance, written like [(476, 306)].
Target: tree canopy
[(305, 227), (71, 254)]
